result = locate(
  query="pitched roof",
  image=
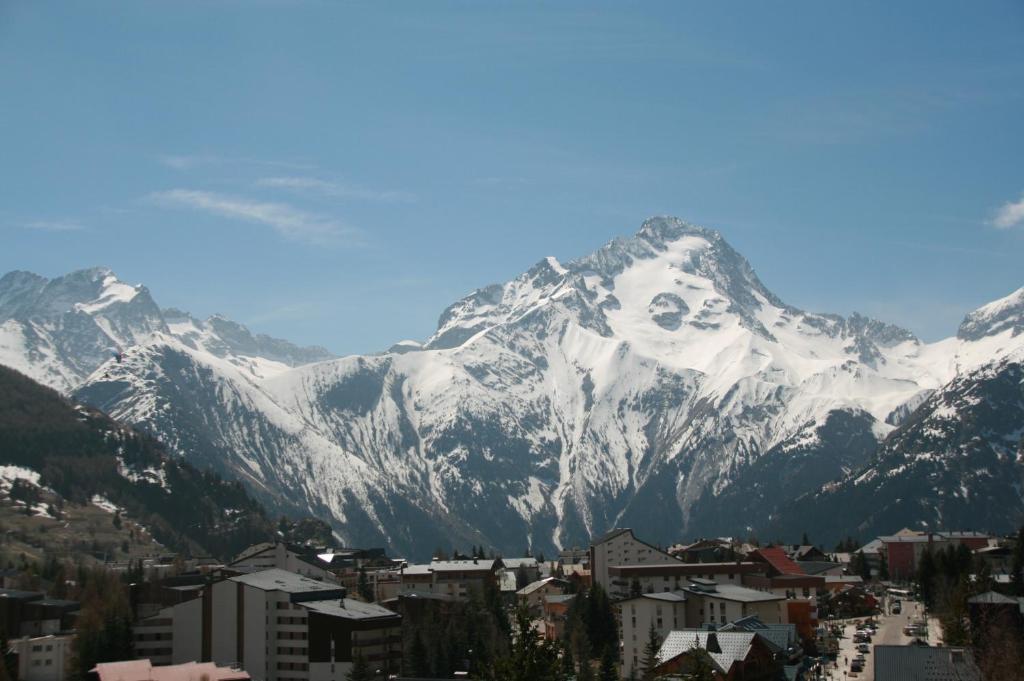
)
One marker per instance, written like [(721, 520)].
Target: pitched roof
[(992, 597), (276, 579), (349, 609), (466, 565), (514, 563), (782, 636), (611, 534), (816, 567), (777, 558), (924, 663), (734, 645), (533, 586)]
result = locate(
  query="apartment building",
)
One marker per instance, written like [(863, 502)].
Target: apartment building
[(43, 658), (278, 626), (454, 578), (619, 548), (664, 610)]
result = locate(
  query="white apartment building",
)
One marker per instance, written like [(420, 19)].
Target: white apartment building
[(620, 547), (666, 611)]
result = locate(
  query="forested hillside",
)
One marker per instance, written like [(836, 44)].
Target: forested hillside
[(54, 453)]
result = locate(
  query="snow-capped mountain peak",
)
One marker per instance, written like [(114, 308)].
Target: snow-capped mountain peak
[(641, 385), (1005, 314), (59, 331)]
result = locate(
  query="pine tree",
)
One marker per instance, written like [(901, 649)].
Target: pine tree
[(419, 665), (651, 649), (926, 573), (360, 669), (702, 667), (609, 671), (883, 567), (1017, 565)]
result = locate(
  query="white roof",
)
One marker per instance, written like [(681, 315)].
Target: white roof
[(514, 563), (735, 645)]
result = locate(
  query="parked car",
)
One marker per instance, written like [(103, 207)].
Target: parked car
[(856, 665), (864, 647)]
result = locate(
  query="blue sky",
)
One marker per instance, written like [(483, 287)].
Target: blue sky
[(338, 173)]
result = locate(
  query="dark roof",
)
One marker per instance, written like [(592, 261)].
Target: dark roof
[(680, 568), (611, 534), (275, 579), (816, 567), (924, 663), (56, 603), (17, 594), (992, 597), (350, 609)]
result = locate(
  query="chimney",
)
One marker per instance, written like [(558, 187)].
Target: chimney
[(713, 646)]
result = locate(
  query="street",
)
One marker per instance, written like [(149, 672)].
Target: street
[(890, 632)]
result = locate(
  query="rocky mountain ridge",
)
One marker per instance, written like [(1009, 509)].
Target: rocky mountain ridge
[(656, 383)]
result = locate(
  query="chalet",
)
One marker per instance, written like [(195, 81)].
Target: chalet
[(735, 655), (533, 594)]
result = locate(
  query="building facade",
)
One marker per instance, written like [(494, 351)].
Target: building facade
[(278, 626)]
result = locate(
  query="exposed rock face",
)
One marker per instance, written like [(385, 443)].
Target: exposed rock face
[(655, 383)]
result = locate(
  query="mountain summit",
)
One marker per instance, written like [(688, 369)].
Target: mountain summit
[(654, 382)]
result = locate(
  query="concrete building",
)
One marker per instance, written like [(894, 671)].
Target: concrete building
[(277, 625), (904, 549), (43, 658), (31, 613), (621, 548), (664, 610), (452, 577), (710, 603), (277, 555)]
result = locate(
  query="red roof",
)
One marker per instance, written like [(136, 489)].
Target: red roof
[(778, 559)]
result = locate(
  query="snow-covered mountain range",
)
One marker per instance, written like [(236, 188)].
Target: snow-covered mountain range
[(655, 383)]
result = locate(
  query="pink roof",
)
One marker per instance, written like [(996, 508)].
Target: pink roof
[(143, 670), (778, 559)]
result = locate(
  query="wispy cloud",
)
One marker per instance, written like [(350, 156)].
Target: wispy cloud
[(334, 189), (1010, 214), (190, 161), (287, 220), (288, 312), (55, 226)]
